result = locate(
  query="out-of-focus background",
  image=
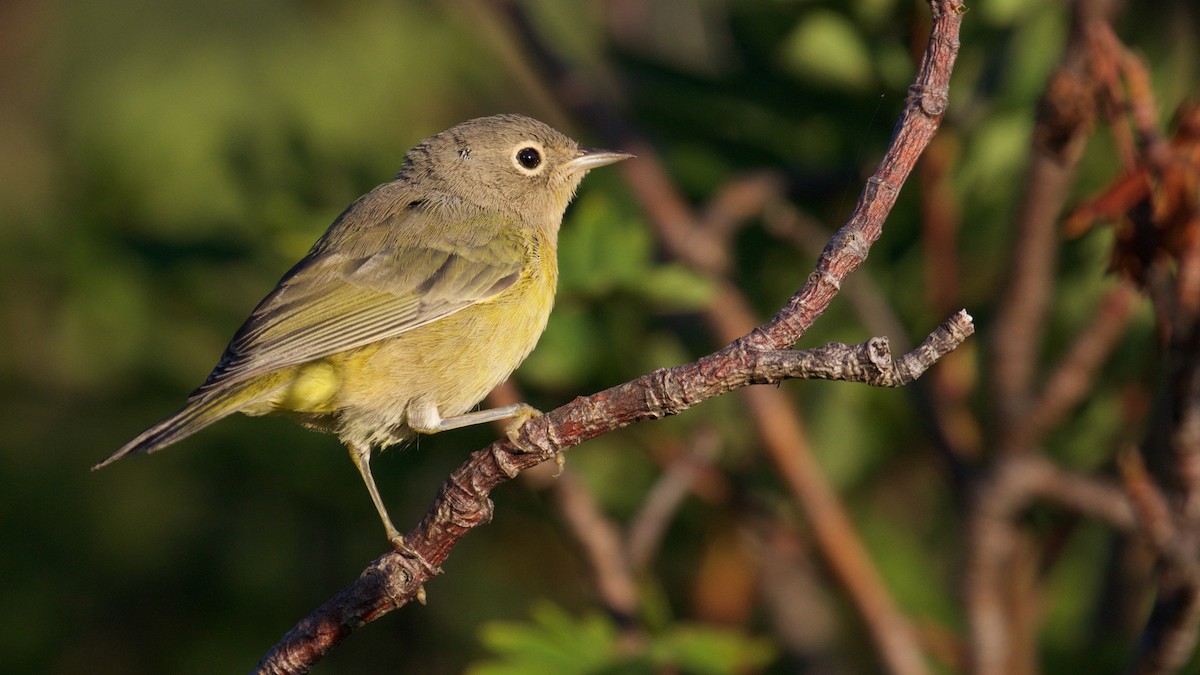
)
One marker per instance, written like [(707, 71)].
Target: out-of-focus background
[(162, 163)]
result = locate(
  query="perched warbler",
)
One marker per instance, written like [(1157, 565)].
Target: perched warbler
[(421, 297)]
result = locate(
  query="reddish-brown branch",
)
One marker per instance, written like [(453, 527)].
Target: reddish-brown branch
[(602, 543), (942, 404), (995, 543), (1160, 247), (663, 500), (999, 592), (780, 430), (923, 111), (462, 504), (1065, 119), (1072, 380)]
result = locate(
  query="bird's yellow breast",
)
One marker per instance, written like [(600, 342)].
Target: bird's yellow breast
[(453, 362)]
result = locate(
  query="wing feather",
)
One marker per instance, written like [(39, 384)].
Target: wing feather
[(331, 302)]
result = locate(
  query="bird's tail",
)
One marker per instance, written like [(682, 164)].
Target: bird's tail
[(200, 412)]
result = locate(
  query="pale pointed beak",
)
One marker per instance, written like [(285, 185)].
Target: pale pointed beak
[(591, 158)]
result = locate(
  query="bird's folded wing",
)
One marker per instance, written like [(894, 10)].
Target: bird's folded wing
[(332, 302)]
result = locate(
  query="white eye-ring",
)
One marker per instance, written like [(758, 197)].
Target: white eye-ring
[(528, 157)]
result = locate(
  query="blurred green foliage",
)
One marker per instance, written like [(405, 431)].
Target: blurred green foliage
[(163, 162), (555, 642)]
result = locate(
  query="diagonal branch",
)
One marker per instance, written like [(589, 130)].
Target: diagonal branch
[(1066, 115), (392, 580), (923, 111), (998, 592), (1072, 379), (646, 530)]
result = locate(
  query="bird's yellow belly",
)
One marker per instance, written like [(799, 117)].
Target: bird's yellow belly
[(363, 394)]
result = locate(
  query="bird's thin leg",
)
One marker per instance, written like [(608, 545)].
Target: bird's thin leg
[(424, 418), (360, 454)]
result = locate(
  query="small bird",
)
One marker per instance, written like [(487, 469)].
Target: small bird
[(422, 296)]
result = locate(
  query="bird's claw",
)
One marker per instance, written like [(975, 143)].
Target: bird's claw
[(523, 415)]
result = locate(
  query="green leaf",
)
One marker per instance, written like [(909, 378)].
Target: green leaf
[(554, 642), (674, 287), (568, 351), (597, 247), (710, 651), (825, 46)]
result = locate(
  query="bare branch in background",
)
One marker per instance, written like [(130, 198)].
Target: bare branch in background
[(1065, 120), (1071, 382), (602, 543), (662, 502), (999, 583)]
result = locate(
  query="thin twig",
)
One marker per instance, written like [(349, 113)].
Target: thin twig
[(730, 317), (998, 589), (923, 111), (870, 304), (603, 544), (1072, 380), (1065, 118), (954, 443), (662, 501), (994, 552)]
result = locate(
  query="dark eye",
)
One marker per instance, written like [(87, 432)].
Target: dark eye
[(529, 158)]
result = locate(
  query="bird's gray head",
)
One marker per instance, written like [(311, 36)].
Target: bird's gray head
[(510, 164)]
